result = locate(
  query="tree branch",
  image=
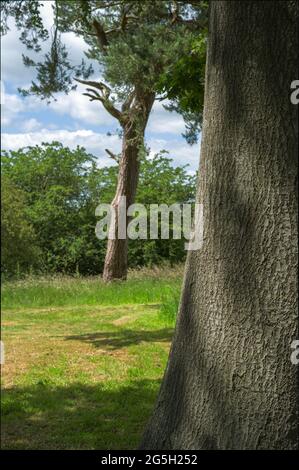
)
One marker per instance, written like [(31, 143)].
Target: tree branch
[(112, 155), (104, 98), (99, 85), (128, 101), (101, 35), (109, 106), (92, 98)]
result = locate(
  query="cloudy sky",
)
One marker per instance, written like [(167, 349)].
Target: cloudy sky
[(73, 119)]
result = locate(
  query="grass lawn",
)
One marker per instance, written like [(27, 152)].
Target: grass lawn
[(84, 360)]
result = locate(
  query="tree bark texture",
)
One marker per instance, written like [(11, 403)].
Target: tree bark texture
[(229, 382), (116, 260)]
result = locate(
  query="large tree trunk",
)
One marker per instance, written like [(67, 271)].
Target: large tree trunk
[(230, 383), (116, 260)]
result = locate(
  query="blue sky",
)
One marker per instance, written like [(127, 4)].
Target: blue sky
[(73, 119)]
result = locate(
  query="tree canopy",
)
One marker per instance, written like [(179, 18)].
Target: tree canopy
[(48, 209), (136, 47), (183, 85)]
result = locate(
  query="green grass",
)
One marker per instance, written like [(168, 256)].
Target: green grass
[(144, 286), (84, 360)]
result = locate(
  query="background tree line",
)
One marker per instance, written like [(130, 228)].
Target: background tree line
[(139, 49), (49, 196)]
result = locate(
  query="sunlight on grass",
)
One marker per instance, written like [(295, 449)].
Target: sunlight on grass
[(143, 286), (84, 360)]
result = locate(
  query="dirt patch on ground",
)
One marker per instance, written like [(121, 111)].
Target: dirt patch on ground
[(134, 314), (75, 308), (34, 346), (125, 319), (22, 352)]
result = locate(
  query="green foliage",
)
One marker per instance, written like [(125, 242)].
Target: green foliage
[(19, 250), (28, 19), (138, 47), (56, 193), (184, 80), (56, 182), (183, 84), (161, 183)]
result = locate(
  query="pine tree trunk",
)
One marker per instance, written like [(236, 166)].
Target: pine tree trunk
[(116, 263), (116, 260), (230, 383)]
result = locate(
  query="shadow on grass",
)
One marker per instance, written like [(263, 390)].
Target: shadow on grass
[(123, 337), (77, 416)]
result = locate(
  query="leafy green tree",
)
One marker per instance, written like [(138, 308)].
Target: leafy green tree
[(183, 85), (134, 43), (161, 183), (62, 188), (19, 250), (55, 180)]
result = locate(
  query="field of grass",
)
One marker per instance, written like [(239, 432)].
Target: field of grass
[(84, 360)]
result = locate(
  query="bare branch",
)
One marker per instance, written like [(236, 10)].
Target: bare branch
[(98, 85), (113, 30), (113, 155), (92, 97), (91, 90), (109, 106), (104, 98)]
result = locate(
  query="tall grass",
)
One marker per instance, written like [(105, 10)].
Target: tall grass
[(143, 286), (170, 304)]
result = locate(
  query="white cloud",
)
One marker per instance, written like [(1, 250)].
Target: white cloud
[(165, 122), (12, 67), (31, 125), (94, 143), (47, 13), (80, 108), (180, 152), (12, 105), (74, 105)]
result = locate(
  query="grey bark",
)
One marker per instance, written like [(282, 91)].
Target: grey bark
[(116, 260), (229, 382)]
